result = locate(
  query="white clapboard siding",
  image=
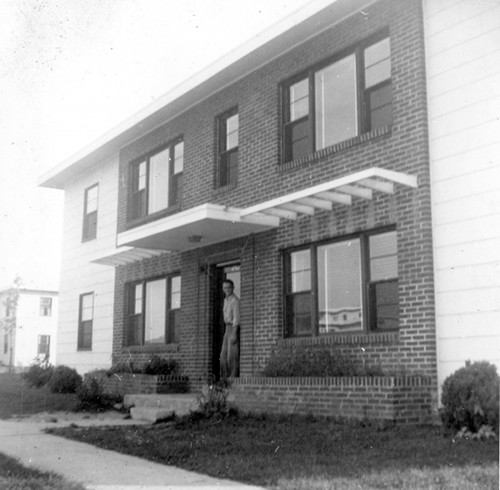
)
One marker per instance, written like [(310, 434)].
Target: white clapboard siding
[(463, 83), (79, 275)]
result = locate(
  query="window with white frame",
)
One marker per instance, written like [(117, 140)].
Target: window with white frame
[(343, 286), (228, 148), (45, 306), (154, 311), (337, 100), (85, 323), (44, 345), (156, 181), (90, 213)]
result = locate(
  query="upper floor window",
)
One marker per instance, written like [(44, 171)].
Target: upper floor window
[(156, 181), (85, 322), (338, 101), (45, 306), (90, 213), (228, 148), (154, 311), (348, 285)]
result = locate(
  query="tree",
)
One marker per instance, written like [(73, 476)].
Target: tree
[(9, 323)]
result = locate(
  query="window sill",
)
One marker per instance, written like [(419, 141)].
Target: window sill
[(84, 349), (337, 148), (361, 338), (224, 188), (151, 348)]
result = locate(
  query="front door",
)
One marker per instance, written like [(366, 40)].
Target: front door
[(222, 272)]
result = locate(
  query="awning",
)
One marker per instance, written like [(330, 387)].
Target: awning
[(125, 255), (213, 223), (359, 185), (196, 227)]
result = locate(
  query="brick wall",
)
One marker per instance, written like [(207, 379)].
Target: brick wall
[(261, 176), (399, 399), (128, 383)]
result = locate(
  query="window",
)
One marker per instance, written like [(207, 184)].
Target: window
[(45, 306), (154, 311), (90, 213), (156, 181), (6, 343), (228, 148), (44, 344), (347, 285), (86, 317), (338, 101)]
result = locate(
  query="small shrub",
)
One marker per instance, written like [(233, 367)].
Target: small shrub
[(64, 380), (91, 396), (155, 365), (38, 375), (470, 397), (213, 400), (159, 365), (296, 361)]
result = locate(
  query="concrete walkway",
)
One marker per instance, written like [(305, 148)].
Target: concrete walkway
[(98, 469)]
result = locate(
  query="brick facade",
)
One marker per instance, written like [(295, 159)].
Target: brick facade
[(395, 399), (261, 176)]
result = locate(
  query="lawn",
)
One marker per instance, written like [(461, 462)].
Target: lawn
[(16, 398), (306, 453), (14, 476)]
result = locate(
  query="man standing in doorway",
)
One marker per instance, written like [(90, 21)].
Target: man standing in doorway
[(230, 353)]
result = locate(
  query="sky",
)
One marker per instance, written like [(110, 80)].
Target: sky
[(70, 70)]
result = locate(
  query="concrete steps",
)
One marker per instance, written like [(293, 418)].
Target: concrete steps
[(155, 407)]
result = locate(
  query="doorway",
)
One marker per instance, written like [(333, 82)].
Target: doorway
[(222, 272)]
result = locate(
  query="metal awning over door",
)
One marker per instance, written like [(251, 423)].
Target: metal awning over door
[(340, 191)]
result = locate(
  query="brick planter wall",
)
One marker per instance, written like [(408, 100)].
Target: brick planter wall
[(132, 384), (392, 398)]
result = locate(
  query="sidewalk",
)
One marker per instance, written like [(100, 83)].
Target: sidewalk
[(97, 469)]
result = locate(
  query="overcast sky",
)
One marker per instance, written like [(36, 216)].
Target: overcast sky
[(70, 70)]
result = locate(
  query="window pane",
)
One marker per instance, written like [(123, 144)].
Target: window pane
[(299, 99), (178, 157), (377, 62), (339, 287), (297, 140), (383, 256), (156, 293), (380, 106), (302, 314), (336, 105), (175, 292), (87, 307), (137, 299), (298, 314), (300, 268), (91, 200), (139, 176), (232, 132), (385, 305), (158, 181)]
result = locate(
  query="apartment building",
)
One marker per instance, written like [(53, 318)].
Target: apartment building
[(322, 168)]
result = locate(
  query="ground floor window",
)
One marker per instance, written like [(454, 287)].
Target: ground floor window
[(86, 319), (346, 285), (154, 311), (44, 345)]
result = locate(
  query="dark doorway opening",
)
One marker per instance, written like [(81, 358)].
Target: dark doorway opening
[(221, 273)]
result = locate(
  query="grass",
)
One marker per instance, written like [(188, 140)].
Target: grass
[(16, 398), (14, 476), (306, 453)]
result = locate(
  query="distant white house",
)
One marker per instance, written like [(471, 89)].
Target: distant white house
[(34, 327)]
